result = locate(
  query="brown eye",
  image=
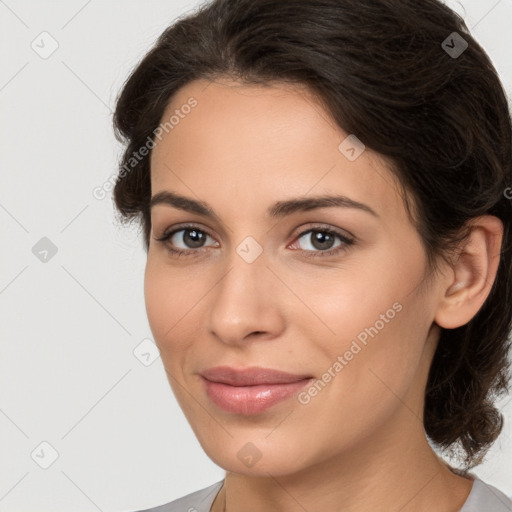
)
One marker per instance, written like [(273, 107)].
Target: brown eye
[(320, 242), (191, 238)]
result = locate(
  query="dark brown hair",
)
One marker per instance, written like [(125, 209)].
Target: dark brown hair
[(382, 71)]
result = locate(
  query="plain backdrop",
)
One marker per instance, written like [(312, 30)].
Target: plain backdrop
[(86, 423)]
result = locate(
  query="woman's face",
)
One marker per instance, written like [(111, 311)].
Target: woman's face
[(278, 291)]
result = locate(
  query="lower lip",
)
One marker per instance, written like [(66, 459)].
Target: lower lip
[(251, 399)]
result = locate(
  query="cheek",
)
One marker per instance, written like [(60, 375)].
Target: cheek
[(378, 323), (170, 297), (156, 297), (371, 382), (364, 300)]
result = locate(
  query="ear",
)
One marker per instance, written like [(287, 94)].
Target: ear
[(472, 274)]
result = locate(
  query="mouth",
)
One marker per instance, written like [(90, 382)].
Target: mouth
[(252, 390)]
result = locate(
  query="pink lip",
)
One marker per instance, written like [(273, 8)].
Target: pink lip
[(252, 390)]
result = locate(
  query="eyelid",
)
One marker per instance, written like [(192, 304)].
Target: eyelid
[(347, 239), (295, 233), (320, 226), (169, 233)]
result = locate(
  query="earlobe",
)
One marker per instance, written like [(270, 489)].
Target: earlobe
[(473, 274)]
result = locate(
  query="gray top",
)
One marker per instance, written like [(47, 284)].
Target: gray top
[(482, 498)]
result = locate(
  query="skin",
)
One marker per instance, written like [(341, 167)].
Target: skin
[(359, 444)]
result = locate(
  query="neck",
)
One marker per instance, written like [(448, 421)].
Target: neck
[(393, 472)]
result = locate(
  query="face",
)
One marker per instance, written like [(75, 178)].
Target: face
[(334, 292)]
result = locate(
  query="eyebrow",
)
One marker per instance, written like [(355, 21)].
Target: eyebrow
[(277, 210)]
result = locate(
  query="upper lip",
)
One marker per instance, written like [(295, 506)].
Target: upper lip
[(250, 376)]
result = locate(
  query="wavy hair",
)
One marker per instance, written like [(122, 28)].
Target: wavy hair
[(386, 71)]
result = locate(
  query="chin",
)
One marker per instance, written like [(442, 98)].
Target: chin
[(255, 458)]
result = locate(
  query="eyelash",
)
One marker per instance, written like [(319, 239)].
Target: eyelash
[(347, 242)]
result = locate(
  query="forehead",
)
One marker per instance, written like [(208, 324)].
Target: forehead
[(275, 141), (226, 110)]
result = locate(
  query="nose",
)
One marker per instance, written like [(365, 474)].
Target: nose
[(246, 303)]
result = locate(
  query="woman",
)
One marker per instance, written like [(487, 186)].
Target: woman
[(324, 190)]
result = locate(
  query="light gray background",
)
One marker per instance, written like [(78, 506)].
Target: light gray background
[(69, 326)]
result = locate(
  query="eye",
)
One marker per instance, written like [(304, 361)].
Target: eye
[(191, 236), (320, 242)]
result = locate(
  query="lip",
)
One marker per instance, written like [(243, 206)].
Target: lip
[(252, 376), (251, 390)]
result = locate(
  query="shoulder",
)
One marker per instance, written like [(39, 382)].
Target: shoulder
[(198, 501), (484, 496)]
